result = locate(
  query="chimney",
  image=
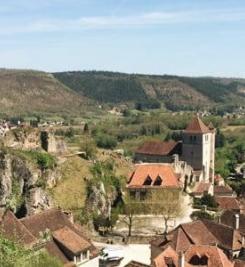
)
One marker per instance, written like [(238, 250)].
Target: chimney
[(237, 221), (181, 259)]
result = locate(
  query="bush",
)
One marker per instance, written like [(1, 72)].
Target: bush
[(106, 141), (89, 147), (196, 215), (207, 200)]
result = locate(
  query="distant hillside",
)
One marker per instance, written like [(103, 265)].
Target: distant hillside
[(174, 92), (28, 92)]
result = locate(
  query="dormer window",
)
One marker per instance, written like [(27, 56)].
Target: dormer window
[(148, 180), (158, 181)]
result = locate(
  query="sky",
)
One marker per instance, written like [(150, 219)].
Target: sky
[(180, 37)]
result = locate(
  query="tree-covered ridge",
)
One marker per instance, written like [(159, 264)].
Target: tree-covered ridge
[(175, 93)]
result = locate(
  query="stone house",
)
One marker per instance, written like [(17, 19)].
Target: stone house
[(150, 178)]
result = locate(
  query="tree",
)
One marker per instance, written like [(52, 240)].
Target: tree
[(130, 209), (13, 254), (200, 214), (89, 147), (86, 129), (167, 203)]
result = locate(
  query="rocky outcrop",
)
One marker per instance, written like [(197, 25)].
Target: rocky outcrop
[(23, 138), (99, 201), (22, 184)]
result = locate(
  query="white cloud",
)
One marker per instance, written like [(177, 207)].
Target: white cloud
[(114, 22)]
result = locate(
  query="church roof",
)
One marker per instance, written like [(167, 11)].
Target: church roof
[(197, 126), (159, 148)]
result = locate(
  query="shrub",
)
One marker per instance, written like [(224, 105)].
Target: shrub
[(199, 214), (106, 141)]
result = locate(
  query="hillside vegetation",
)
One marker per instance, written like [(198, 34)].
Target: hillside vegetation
[(172, 91), (28, 92)]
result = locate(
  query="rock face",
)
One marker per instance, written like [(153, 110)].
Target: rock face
[(99, 201), (26, 138), (21, 185)]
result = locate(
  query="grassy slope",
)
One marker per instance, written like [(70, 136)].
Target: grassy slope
[(171, 90), (24, 92), (70, 193)]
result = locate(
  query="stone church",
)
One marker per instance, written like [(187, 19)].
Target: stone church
[(192, 158)]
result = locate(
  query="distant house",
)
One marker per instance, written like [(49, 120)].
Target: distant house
[(52, 230), (150, 177)]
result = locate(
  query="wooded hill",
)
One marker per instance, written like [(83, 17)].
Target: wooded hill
[(33, 92), (72, 93), (174, 92)]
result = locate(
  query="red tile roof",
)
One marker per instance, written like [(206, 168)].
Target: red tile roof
[(154, 171), (159, 148), (228, 203), (215, 255), (169, 255), (12, 228), (70, 240), (201, 187), (197, 126), (193, 234), (228, 218), (222, 189)]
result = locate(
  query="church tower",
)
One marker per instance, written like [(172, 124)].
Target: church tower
[(198, 148)]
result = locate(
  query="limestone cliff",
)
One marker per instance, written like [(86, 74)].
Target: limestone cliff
[(22, 184)]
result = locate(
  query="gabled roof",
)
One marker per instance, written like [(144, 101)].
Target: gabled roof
[(169, 255), (200, 232), (222, 189), (228, 218), (70, 240), (201, 187), (227, 203), (159, 148), (154, 170), (196, 126), (12, 228)]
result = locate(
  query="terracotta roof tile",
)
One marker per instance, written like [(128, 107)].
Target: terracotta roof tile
[(216, 256), (201, 187), (154, 171), (169, 254), (159, 148), (222, 189), (54, 250), (70, 240), (228, 203), (13, 229), (228, 218), (197, 126)]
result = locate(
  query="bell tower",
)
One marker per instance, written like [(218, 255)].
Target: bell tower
[(199, 148)]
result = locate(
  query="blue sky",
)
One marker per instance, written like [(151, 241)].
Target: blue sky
[(184, 37)]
